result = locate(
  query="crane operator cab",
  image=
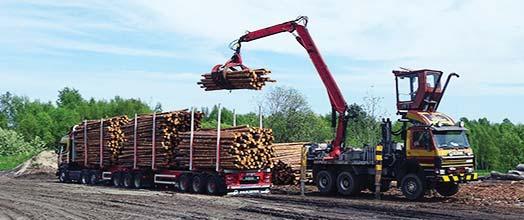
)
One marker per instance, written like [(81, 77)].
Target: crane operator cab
[(436, 147)]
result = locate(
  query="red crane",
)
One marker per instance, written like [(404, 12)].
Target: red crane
[(298, 28)]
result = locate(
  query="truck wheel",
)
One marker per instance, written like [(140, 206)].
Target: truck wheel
[(216, 186), (325, 182), (116, 178), (63, 177), (139, 181), (184, 183), (199, 183), (128, 180), (93, 178), (412, 187), (347, 184), (84, 179), (447, 189)]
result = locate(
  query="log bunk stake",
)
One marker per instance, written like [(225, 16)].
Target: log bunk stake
[(253, 79)]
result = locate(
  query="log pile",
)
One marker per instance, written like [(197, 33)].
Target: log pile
[(166, 129), (243, 147), (287, 163), (112, 140), (243, 79)]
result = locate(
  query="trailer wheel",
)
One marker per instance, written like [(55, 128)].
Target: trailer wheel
[(84, 178), (347, 184), (199, 183), (325, 182), (63, 177), (184, 183), (139, 181), (216, 186), (128, 180), (116, 178), (447, 189), (412, 187), (93, 178)]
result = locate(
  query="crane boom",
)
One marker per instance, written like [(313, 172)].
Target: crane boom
[(303, 37)]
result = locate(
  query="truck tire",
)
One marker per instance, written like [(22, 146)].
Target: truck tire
[(116, 178), (184, 183), (447, 189), (199, 183), (128, 180), (84, 177), (63, 176), (140, 181), (94, 178), (347, 184), (216, 186), (412, 187), (325, 182)]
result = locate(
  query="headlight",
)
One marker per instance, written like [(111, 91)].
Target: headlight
[(469, 169), (442, 171)]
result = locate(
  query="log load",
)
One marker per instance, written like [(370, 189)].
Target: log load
[(112, 141), (242, 148), (167, 127), (253, 79), (286, 170)]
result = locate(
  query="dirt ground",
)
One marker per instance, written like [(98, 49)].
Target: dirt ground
[(42, 197)]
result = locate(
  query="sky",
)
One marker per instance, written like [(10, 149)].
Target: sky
[(157, 50)]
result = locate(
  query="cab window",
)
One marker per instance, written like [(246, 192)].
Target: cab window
[(407, 88), (421, 140)]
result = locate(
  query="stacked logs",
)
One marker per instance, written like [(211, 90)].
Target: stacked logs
[(242, 147), (112, 140), (166, 129), (243, 79), (286, 170)]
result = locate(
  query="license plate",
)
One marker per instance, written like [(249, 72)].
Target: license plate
[(250, 178)]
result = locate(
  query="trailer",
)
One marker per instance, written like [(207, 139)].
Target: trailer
[(217, 181)]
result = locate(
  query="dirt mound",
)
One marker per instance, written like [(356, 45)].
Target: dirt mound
[(43, 163)]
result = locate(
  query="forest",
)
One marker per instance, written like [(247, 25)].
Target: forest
[(28, 126)]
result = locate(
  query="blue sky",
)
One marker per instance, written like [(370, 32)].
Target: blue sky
[(156, 50)]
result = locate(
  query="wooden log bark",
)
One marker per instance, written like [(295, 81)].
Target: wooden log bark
[(254, 79)]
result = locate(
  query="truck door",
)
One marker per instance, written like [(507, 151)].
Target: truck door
[(421, 147)]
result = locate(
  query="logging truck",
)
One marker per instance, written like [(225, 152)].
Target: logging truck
[(83, 159), (433, 153)]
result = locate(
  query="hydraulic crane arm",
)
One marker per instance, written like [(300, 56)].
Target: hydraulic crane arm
[(303, 37)]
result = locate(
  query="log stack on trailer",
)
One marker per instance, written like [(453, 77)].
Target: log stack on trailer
[(241, 148), (98, 142), (286, 169), (253, 79), (171, 149), (151, 139)]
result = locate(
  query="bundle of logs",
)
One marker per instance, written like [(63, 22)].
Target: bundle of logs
[(243, 147), (242, 79), (286, 169), (156, 134), (105, 134)]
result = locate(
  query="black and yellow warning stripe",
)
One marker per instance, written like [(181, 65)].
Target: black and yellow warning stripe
[(459, 178)]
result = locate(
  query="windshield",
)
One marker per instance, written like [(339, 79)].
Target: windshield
[(451, 139)]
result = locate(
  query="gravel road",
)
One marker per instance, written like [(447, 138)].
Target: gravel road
[(42, 197)]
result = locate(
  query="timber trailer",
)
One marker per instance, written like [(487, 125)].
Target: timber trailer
[(434, 152), (216, 181)]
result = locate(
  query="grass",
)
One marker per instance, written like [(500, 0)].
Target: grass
[(10, 162), (483, 172)]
